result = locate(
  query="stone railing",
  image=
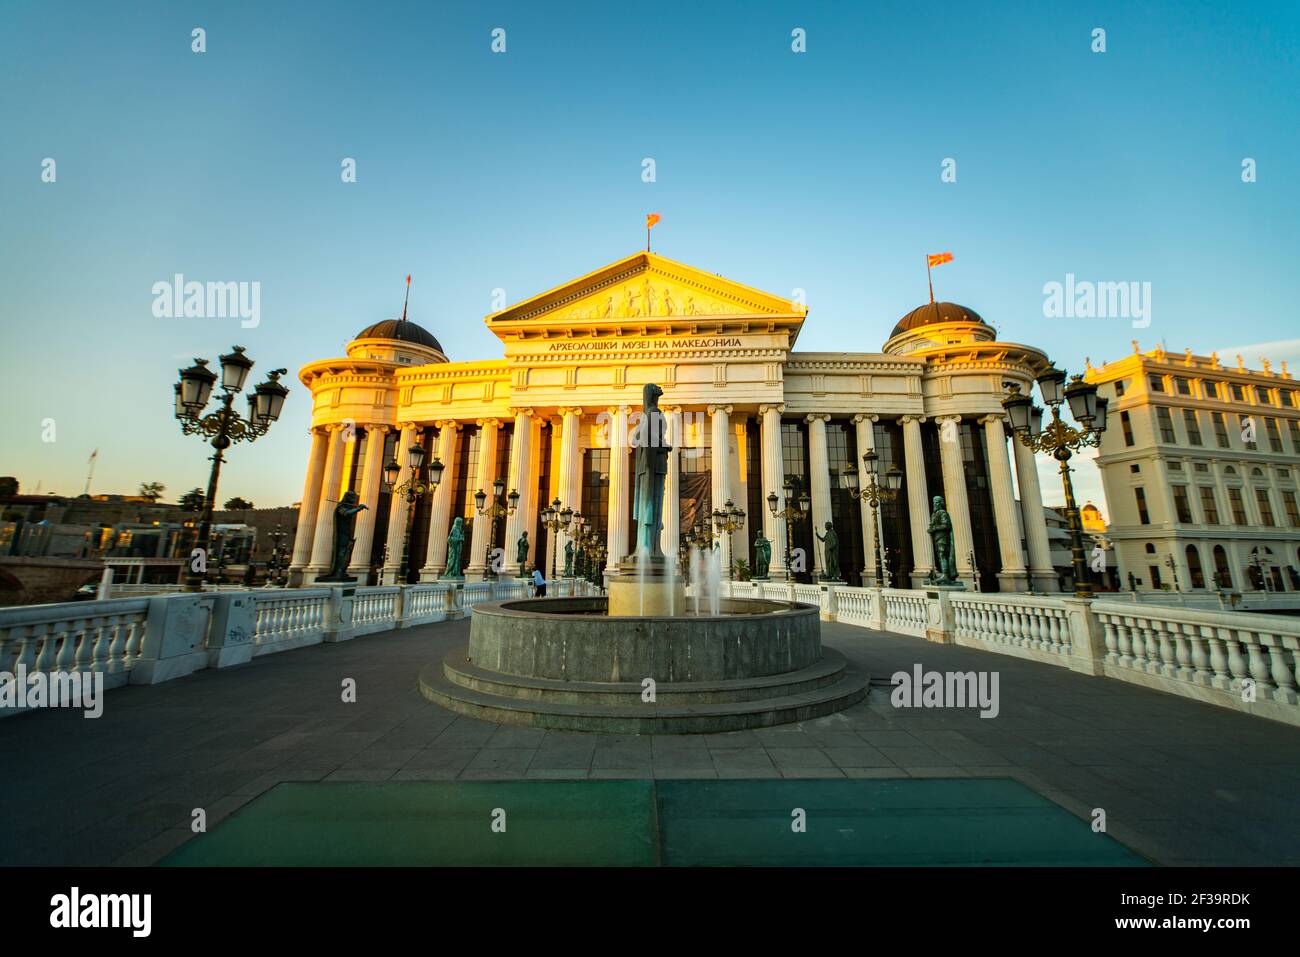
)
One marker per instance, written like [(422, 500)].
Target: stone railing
[(904, 611), (858, 606), (1241, 661), (145, 640), (1028, 626)]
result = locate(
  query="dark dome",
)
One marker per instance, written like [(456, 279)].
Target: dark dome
[(934, 312), (402, 331)]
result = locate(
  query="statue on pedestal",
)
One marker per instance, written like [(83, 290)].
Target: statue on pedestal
[(568, 559), (762, 556), (345, 520), (651, 462), (831, 570), (945, 564), (521, 554), (455, 546)]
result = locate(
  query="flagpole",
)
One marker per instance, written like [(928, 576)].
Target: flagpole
[(647, 239), (929, 278), (408, 296)]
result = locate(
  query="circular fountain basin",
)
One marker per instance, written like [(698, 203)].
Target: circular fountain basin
[(565, 663)]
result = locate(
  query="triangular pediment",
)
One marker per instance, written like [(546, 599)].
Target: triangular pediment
[(644, 287)]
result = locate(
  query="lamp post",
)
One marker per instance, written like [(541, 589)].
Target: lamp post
[(726, 520), (225, 426), (1061, 441), (790, 512), (277, 538), (556, 519), (1173, 570), (493, 512), (412, 489), (874, 494)]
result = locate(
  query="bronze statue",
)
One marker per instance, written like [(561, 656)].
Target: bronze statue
[(831, 569), (945, 565), (568, 559), (651, 460), (345, 520), (455, 545), (762, 555), (521, 554)]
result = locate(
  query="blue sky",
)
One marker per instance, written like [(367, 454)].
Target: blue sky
[(477, 170)]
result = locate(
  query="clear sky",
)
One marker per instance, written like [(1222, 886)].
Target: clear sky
[(520, 170)]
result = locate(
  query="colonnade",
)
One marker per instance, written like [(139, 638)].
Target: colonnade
[(324, 481)]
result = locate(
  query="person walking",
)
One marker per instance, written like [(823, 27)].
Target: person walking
[(539, 583)]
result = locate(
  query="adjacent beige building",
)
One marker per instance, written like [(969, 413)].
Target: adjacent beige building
[(1199, 465)]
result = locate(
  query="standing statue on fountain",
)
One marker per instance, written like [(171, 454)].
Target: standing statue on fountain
[(521, 554), (831, 573), (568, 559), (455, 545), (652, 449), (762, 556)]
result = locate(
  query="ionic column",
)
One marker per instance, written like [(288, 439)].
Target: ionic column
[(670, 535), (866, 441), (1012, 575), (570, 477), (955, 498), (918, 506), (323, 542), (487, 473), (305, 534), (721, 475), (369, 493), (1041, 573), (534, 477), (820, 486), (616, 535), (773, 479), (435, 552), (520, 445), (397, 510), (556, 490)]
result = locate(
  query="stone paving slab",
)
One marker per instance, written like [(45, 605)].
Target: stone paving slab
[(1180, 781)]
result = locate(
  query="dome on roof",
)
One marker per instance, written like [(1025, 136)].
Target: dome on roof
[(935, 312), (400, 330)]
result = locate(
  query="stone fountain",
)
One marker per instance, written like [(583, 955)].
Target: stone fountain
[(642, 660)]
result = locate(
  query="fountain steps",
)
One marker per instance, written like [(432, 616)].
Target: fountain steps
[(680, 707)]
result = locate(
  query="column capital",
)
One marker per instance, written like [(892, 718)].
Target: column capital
[(948, 417), (814, 416), (380, 428), (454, 424), (865, 417), (518, 411), (616, 409), (777, 407), (404, 426), (910, 418), (567, 411), (488, 423), (715, 409), (992, 418)]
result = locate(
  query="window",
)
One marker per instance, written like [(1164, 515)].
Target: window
[(1222, 575), (1220, 429), (1238, 506), (1209, 507), (1247, 424), (1182, 385), (1143, 516), (1166, 422), (1193, 427), (1175, 465), (1119, 387), (1182, 507), (1265, 506), (1155, 576), (1274, 435), (1292, 510), (1128, 428), (1293, 427), (1238, 393), (1157, 383), (1150, 548), (1194, 567), (1211, 389), (1286, 397), (1201, 467), (1135, 468)]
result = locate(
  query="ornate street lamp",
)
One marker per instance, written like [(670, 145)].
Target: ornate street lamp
[(1061, 441), (276, 561), (790, 512), (556, 519), (494, 511), (224, 426), (1173, 570), (415, 487), (726, 520), (874, 494)]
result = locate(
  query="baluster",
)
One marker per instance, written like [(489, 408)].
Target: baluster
[(1219, 658), (1200, 659), (1236, 662), (1168, 666), (1259, 669), (1283, 680), (1182, 653), (1111, 638), (103, 641)]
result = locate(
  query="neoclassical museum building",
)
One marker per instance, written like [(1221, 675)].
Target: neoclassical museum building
[(747, 413)]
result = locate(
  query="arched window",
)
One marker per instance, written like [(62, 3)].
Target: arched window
[(1194, 567), (1151, 549), (1222, 573)]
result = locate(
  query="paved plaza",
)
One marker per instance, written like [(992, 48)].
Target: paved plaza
[(1180, 782)]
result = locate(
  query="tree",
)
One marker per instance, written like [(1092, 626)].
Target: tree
[(238, 503), (192, 501), (152, 490), (8, 485)]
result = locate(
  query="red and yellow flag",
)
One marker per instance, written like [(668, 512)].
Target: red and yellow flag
[(651, 219), (938, 259)]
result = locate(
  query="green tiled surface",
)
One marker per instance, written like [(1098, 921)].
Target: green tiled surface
[(638, 823)]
